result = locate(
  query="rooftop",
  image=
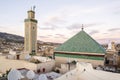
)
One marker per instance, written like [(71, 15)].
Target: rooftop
[(85, 71), (81, 42)]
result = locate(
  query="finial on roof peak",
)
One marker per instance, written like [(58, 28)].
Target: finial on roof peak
[(82, 27)]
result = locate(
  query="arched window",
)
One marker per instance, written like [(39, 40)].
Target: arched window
[(33, 27)]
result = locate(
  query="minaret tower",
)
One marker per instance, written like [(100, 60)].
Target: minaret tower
[(30, 40)]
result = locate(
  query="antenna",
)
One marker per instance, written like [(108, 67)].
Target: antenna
[(34, 8)]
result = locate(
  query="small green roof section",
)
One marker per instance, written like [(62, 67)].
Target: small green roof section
[(81, 42)]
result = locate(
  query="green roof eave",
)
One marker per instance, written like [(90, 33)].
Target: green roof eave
[(81, 53), (79, 56)]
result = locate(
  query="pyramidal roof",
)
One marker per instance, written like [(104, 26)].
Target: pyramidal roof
[(81, 42)]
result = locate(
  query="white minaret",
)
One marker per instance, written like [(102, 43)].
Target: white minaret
[(30, 40), (111, 46)]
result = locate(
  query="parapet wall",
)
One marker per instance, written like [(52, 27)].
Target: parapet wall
[(74, 74), (62, 60), (6, 64)]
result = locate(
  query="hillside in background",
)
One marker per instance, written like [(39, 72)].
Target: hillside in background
[(16, 38), (19, 39), (11, 37)]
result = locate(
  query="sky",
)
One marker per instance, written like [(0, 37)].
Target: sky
[(59, 20)]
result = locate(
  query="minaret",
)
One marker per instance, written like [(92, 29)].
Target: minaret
[(30, 40), (111, 46)]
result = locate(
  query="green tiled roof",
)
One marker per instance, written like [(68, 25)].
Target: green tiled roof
[(81, 42)]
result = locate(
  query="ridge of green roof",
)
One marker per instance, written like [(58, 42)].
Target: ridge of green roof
[(81, 42)]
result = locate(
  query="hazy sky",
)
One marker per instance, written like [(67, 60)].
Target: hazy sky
[(58, 20)]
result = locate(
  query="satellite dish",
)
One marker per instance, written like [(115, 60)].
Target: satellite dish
[(42, 77), (14, 75), (27, 57), (30, 74)]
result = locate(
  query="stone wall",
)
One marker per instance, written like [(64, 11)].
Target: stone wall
[(62, 60), (6, 64), (68, 75), (67, 67), (47, 65)]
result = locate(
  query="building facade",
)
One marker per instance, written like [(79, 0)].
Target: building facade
[(30, 40), (80, 47)]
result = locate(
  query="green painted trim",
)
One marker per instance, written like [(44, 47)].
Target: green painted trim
[(32, 20), (81, 56), (31, 11)]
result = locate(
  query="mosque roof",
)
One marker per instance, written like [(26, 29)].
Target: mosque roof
[(81, 42)]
